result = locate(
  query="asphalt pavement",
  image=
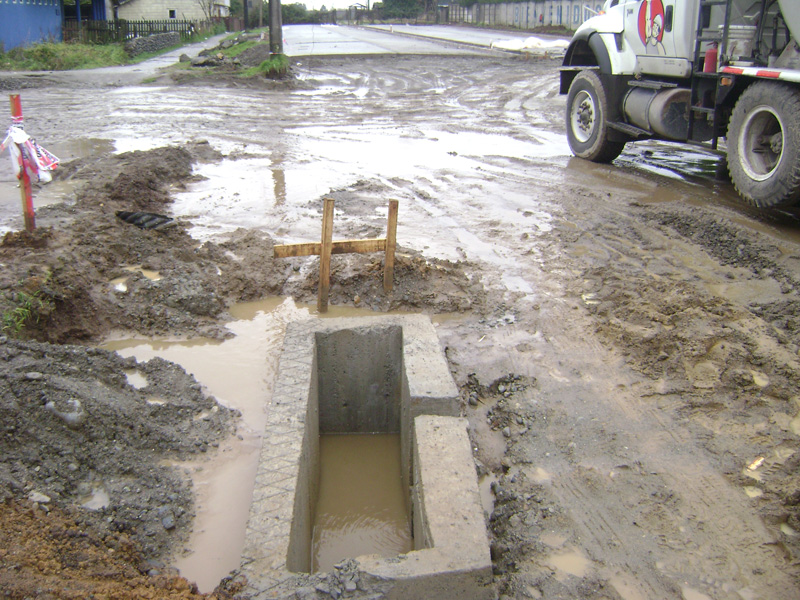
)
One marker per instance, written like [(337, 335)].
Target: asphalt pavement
[(318, 40), (329, 40)]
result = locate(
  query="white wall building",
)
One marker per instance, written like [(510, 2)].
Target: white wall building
[(161, 10)]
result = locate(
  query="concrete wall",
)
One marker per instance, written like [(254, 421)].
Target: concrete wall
[(451, 560), (526, 15), (24, 24), (298, 557), (359, 374), (158, 10)]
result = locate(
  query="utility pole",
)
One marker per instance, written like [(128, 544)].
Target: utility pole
[(245, 3), (275, 27)]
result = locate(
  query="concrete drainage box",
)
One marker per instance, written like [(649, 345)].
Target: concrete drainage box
[(366, 375)]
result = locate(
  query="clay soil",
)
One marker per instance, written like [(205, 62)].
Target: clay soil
[(629, 364)]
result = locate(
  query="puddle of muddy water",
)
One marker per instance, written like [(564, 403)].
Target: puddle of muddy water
[(362, 507), (246, 192), (136, 379), (57, 191), (120, 284), (239, 372), (487, 494), (570, 562), (670, 160), (753, 491), (11, 216), (97, 499)]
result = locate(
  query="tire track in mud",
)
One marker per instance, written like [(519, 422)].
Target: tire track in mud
[(718, 544)]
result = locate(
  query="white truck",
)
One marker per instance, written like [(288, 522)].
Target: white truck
[(696, 72)]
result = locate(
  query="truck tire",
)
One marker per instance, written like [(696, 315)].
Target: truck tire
[(764, 145), (587, 124)]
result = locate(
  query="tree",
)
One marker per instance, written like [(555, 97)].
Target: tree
[(401, 9), (207, 6), (294, 13)]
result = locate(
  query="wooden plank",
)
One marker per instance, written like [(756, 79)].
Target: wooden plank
[(391, 244), (338, 247), (325, 256)]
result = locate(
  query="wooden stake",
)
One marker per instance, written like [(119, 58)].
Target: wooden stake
[(337, 247), (391, 243), (25, 189), (325, 255), (327, 247)]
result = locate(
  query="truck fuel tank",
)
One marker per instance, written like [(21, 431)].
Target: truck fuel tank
[(663, 112)]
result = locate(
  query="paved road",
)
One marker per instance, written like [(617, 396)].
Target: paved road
[(317, 40), (486, 38)]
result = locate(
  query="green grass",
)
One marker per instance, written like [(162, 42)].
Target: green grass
[(62, 57), (236, 50), (26, 309), (66, 57), (275, 66)]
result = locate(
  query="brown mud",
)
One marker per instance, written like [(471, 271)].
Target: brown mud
[(632, 390)]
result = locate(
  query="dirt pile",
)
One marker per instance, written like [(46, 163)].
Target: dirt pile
[(76, 433), (52, 552)]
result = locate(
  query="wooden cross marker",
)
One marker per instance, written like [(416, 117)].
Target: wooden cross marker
[(327, 246)]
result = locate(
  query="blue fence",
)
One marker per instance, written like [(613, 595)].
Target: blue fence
[(23, 22)]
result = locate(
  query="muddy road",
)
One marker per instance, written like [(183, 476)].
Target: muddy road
[(626, 336)]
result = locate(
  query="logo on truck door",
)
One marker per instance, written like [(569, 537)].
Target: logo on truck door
[(651, 26)]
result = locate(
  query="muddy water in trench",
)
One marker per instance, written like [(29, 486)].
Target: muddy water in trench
[(362, 507), (240, 373)]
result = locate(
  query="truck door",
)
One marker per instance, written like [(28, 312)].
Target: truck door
[(661, 33)]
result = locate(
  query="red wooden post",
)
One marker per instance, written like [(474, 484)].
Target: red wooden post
[(26, 192)]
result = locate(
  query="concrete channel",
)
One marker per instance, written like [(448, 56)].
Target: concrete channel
[(359, 376)]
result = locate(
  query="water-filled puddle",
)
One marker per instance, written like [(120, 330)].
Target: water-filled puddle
[(487, 494), (570, 563), (97, 499), (120, 284), (136, 379), (362, 507), (670, 162), (753, 491)]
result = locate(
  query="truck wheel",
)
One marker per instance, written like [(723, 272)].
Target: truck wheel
[(587, 125), (764, 145)]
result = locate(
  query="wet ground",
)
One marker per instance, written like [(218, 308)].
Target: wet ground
[(625, 336)]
